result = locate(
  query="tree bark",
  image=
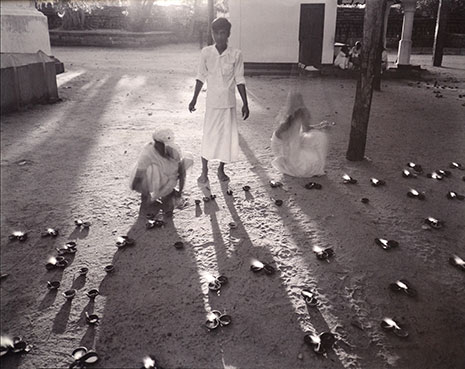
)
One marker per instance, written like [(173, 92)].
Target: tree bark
[(441, 32), (211, 15), (377, 76), (372, 28)]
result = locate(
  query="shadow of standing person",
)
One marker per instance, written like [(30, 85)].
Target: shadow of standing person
[(154, 302)]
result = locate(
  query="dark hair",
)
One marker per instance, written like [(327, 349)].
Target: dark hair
[(221, 24)]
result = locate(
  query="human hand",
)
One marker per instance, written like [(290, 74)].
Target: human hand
[(192, 105), (245, 112)]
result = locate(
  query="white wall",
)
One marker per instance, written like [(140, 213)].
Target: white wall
[(23, 28), (267, 31)]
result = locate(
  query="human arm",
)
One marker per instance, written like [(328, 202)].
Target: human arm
[(198, 88), (245, 104), (284, 127), (240, 82), (202, 74)]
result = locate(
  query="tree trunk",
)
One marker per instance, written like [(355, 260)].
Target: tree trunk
[(441, 32), (377, 76), (372, 28), (211, 15)]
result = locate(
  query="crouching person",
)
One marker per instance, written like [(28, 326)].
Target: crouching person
[(161, 168)]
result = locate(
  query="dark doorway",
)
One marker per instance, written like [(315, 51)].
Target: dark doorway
[(312, 18)]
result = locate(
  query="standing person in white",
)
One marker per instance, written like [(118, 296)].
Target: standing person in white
[(222, 68)]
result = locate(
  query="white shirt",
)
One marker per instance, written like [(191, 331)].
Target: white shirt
[(222, 73)]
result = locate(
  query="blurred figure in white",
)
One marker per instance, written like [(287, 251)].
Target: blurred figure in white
[(300, 149), (355, 55), (160, 168), (342, 58), (384, 60)]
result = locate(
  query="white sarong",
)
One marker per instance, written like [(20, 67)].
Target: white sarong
[(220, 139)]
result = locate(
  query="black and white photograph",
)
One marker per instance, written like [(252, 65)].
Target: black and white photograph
[(232, 184)]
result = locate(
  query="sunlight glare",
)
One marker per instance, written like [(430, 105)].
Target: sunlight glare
[(256, 263), (148, 362), (208, 277), (317, 249), (67, 76)]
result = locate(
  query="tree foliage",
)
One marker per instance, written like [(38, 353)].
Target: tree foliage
[(429, 8), (138, 12), (73, 12)]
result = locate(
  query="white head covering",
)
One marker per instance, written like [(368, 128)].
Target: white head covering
[(163, 134)]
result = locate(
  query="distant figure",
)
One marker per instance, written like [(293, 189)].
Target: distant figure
[(355, 55), (384, 60), (342, 58), (222, 67), (159, 168), (300, 149)]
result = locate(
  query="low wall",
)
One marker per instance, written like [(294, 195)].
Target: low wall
[(27, 79), (110, 38)]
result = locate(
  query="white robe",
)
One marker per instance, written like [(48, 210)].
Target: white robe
[(156, 175), (222, 73), (301, 149)]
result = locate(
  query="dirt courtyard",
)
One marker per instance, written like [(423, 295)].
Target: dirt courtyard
[(72, 160)]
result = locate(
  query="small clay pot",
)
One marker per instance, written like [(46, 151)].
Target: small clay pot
[(109, 268), (79, 352), (92, 319), (69, 294), (348, 179), (53, 285), (179, 245), (90, 357), (212, 323), (225, 320), (62, 263), (275, 184), (214, 286), (377, 182), (93, 293), (50, 266), (83, 271), (222, 279)]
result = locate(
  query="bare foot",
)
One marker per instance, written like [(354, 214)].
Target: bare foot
[(203, 178), (222, 176)]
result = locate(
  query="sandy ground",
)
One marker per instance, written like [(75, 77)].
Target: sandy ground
[(72, 160)]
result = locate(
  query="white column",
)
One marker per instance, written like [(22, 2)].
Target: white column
[(386, 18), (405, 44), (23, 28)]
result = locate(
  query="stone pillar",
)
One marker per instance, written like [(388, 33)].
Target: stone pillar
[(23, 28), (405, 44), (386, 18)]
